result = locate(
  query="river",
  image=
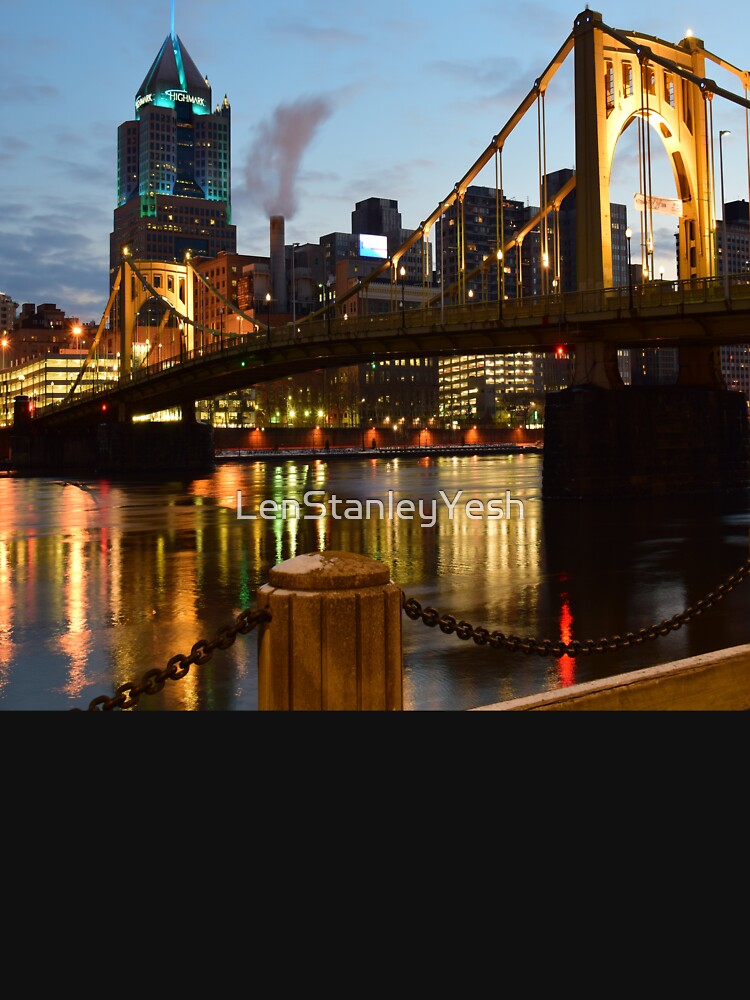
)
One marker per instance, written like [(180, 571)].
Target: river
[(101, 580)]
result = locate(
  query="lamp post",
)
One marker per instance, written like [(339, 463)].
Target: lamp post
[(725, 248), (442, 264), (268, 318), (402, 272), (328, 306), (221, 330), (628, 235), (500, 285)]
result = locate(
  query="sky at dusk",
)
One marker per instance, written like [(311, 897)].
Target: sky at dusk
[(331, 104)]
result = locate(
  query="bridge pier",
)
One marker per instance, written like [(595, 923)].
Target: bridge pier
[(644, 441), (151, 448), (182, 447)]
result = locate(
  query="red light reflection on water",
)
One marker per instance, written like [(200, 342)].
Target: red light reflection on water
[(566, 665)]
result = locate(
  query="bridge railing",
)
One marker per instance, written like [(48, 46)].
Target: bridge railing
[(652, 298)]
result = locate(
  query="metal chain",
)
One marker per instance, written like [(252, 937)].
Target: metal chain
[(127, 695), (545, 647)]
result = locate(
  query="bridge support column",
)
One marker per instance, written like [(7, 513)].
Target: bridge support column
[(644, 441), (700, 366), (596, 364)]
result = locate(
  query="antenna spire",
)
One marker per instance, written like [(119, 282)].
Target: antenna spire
[(171, 22)]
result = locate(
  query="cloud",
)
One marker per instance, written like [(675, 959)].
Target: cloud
[(273, 161)]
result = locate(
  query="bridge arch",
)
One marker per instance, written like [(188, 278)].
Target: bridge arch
[(167, 282), (622, 79)]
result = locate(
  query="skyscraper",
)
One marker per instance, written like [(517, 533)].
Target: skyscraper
[(173, 166)]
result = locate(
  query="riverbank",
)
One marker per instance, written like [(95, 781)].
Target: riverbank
[(404, 451)]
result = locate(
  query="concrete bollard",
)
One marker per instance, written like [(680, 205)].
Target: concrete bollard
[(334, 641)]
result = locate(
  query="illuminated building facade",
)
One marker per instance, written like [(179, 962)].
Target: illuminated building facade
[(173, 167), (508, 389), (735, 258), (48, 378), (7, 313)]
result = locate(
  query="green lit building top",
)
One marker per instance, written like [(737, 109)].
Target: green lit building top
[(174, 166)]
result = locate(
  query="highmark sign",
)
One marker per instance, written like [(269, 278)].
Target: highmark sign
[(177, 96)]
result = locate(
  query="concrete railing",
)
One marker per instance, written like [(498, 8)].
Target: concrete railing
[(718, 681)]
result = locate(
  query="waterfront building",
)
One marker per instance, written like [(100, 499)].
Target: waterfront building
[(734, 260), (224, 273), (41, 330), (47, 378), (323, 273), (43, 355), (509, 389)]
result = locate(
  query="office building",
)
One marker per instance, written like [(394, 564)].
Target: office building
[(173, 166), (509, 389)]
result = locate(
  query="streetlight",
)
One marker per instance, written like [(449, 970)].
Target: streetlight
[(500, 285), (725, 248), (628, 234), (402, 272), (442, 262), (268, 318)]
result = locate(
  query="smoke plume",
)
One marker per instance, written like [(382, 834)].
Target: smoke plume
[(274, 158)]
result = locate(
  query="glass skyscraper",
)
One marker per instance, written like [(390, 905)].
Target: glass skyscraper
[(173, 167)]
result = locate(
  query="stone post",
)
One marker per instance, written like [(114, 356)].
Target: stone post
[(334, 641)]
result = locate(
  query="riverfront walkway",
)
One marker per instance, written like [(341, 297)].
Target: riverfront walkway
[(406, 451)]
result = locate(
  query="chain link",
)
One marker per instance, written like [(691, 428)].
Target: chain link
[(545, 647), (127, 695)]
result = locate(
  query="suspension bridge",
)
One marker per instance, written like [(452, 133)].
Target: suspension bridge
[(621, 79)]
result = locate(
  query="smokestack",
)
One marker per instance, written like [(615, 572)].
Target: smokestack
[(278, 264)]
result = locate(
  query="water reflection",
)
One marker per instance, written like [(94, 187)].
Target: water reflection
[(100, 583)]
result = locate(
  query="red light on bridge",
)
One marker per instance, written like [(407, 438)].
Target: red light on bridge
[(104, 407), (560, 352)]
